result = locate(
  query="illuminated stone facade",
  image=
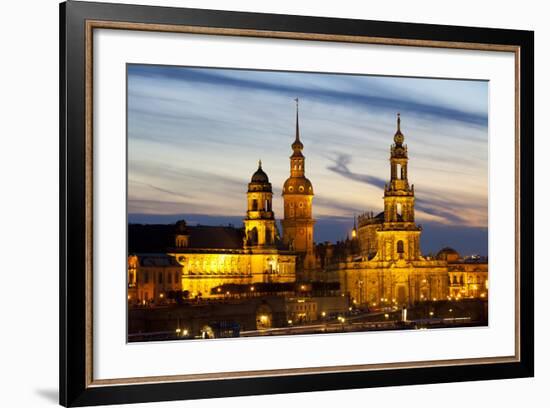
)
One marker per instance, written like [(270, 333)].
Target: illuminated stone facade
[(381, 265), (387, 267), (468, 277), (206, 257), (152, 277), (298, 222)]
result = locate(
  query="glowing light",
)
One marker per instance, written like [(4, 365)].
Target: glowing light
[(353, 233), (323, 314), (185, 332), (290, 322), (431, 313), (350, 308), (252, 288), (386, 315), (162, 295), (178, 330)]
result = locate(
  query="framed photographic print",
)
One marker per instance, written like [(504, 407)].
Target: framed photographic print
[(255, 203)]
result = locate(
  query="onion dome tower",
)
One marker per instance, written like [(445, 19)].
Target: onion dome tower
[(259, 223)]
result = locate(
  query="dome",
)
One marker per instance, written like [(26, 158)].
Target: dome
[(448, 254), (297, 145), (260, 181), (398, 138), (298, 185), (259, 176)]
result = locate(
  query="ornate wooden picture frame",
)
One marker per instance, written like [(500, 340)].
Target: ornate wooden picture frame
[(79, 385)]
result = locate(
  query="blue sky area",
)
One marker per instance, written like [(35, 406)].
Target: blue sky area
[(195, 136)]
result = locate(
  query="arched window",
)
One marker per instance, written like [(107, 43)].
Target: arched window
[(254, 205), (398, 171), (400, 247)]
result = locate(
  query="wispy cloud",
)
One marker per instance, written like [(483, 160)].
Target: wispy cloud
[(195, 136), (340, 166)]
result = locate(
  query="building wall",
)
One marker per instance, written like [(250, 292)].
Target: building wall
[(199, 273), (391, 242), (368, 241), (468, 280), (153, 284), (298, 225), (388, 284)]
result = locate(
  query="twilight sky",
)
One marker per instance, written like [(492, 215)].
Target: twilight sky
[(195, 136)]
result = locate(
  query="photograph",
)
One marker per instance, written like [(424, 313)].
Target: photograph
[(268, 203)]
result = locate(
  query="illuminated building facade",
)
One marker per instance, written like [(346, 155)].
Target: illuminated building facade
[(385, 267), (298, 222), (206, 257), (152, 277), (468, 277), (381, 265)]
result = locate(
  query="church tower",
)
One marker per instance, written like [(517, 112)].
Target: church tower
[(260, 228), (298, 219), (399, 236)]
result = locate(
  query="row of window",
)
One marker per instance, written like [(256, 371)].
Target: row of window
[(169, 277)]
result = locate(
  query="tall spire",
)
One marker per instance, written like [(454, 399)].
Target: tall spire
[(398, 138), (398, 122), (260, 164), (297, 145), (297, 121)]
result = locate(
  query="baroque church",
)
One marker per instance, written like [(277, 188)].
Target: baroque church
[(386, 266)]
